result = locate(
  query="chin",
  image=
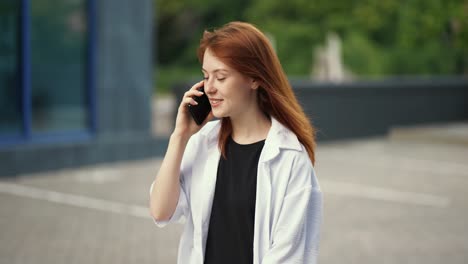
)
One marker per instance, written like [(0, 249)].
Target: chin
[(218, 114)]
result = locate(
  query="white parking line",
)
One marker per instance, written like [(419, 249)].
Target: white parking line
[(329, 187), (74, 200), (383, 194)]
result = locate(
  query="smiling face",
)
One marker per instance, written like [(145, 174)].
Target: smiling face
[(231, 94)]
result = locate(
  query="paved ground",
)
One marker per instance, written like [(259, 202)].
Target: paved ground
[(387, 200)]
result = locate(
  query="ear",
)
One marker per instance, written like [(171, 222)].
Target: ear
[(254, 84)]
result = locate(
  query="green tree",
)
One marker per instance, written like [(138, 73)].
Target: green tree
[(379, 38)]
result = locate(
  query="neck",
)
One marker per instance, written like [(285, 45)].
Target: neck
[(251, 127)]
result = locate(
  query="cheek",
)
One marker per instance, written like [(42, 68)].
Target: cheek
[(237, 98), (236, 93), (244, 94)]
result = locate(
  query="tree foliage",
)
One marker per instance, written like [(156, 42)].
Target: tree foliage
[(379, 38)]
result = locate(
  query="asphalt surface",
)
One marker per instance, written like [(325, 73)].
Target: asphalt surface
[(395, 199)]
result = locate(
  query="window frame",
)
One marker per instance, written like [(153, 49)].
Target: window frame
[(26, 135)]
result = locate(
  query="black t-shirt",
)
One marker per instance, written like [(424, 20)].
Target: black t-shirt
[(231, 229)]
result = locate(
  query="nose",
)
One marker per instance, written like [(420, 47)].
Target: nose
[(209, 87)]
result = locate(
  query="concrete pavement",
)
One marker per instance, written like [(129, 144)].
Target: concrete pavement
[(387, 200)]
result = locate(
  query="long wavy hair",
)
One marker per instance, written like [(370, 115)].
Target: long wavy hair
[(246, 49)]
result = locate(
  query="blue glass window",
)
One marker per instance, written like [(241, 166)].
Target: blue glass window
[(46, 70), (10, 92), (58, 65)]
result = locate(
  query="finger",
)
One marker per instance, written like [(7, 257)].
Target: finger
[(189, 100), (192, 93), (197, 85)]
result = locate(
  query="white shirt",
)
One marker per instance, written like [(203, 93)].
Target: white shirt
[(288, 206)]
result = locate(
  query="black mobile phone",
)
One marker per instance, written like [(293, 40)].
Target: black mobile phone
[(200, 111)]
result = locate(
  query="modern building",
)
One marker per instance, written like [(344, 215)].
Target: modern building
[(75, 83), (76, 88)]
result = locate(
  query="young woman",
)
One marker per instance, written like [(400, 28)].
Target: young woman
[(245, 184)]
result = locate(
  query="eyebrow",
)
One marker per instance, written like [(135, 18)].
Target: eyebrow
[(217, 70)]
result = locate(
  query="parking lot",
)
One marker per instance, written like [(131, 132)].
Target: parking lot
[(386, 200)]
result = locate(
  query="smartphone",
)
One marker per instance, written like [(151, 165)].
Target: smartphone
[(200, 111)]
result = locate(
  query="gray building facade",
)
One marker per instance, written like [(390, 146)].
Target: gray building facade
[(76, 84)]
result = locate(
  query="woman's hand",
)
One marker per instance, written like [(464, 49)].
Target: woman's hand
[(185, 125)]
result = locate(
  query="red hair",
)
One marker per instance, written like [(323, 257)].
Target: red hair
[(246, 49)]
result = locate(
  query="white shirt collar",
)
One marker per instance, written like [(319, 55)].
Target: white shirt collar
[(279, 137)]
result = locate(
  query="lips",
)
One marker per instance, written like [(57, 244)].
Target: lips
[(215, 102)]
